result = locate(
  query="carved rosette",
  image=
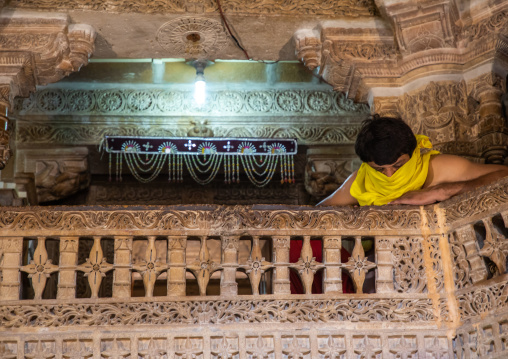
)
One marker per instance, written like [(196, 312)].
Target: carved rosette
[(192, 37)]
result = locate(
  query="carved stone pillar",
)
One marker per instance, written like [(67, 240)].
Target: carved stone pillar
[(331, 259), (384, 280), (467, 237), (68, 262), (228, 285), (122, 276), (176, 261), (12, 249), (281, 284), (493, 132)]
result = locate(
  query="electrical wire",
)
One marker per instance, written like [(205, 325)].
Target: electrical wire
[(229, 30)]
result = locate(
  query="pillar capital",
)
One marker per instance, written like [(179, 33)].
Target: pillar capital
[(37, 49), (411, 42)]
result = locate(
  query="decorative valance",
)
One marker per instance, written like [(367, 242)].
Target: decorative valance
[(203, 157)]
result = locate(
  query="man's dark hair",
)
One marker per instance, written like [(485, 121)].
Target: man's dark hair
[(383, 140)]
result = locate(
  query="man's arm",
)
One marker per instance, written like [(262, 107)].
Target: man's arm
[(449, 176), (341, 197)]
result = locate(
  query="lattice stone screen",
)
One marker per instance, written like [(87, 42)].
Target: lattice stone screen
[(71, 279)]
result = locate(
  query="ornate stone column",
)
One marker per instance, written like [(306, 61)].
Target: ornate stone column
[(10, 262), (384, 280), (493, 132), (467, 237), (176, 261), (281, 284), (68, 262), (332, 282), (122, 276), (228, 285)]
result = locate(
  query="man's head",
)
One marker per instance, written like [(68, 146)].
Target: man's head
[(382, 141)]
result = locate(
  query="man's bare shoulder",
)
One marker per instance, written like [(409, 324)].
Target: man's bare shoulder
[(445, 168), (341, 197)]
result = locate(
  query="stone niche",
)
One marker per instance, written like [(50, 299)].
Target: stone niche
[(58, 172), (328, 167)]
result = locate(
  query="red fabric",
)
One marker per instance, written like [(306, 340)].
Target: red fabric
[(295, 248)]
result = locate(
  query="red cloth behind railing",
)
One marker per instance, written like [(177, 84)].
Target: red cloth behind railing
[(295, 248)]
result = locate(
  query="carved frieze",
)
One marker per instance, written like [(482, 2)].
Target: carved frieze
[(478, 30), (438, 111), (218, 312), (302, 7), (235, 218), (359, 44), (230, 114), (153, 102), (488, 198), (183, 343), (480, 301), (425, 27), (65, 133)]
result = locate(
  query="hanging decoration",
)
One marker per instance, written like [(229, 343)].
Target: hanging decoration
[(203, 157)]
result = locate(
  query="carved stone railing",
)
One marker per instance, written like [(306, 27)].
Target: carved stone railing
[(440, 281)]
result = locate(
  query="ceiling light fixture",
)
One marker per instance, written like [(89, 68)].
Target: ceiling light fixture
[(200, 83)]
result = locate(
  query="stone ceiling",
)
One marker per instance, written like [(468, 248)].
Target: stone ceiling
[(161, 29)]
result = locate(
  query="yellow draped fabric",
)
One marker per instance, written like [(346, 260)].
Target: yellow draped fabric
[(374, 188)]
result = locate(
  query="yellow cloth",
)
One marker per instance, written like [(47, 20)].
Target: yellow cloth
[(372, 187)]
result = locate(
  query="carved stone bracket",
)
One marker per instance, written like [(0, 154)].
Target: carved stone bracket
[(37, 50), (426, 38), (308, 48)]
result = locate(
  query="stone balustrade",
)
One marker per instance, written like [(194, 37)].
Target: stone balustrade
[(440, 286)]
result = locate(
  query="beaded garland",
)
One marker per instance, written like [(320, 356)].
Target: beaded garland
[(203, 157)]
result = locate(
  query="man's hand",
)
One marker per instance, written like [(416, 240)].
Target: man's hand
[(423, 196)]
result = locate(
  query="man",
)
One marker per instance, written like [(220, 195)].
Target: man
[(399, 168)]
